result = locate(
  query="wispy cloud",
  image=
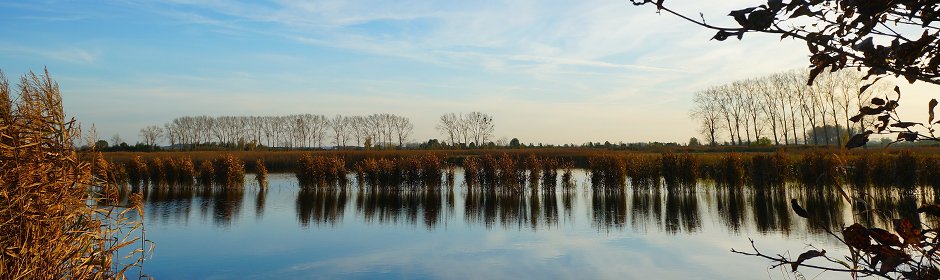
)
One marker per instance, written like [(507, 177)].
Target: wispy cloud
[(71, 55), (54, 18)]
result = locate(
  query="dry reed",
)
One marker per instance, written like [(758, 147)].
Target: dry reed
[(59, 214)]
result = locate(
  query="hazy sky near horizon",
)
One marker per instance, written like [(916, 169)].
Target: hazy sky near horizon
[(548, 71)]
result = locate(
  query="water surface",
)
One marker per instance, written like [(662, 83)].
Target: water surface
[(458, 232)]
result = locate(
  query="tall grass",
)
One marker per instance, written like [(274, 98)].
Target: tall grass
[(540, 168), (261, 173), (608, 173), (503, 172), (413, 171), (315, 171), (229, 172), (769, 170), (59, 217), (680, 169)]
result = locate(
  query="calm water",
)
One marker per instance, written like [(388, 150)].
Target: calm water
[(644, 233)]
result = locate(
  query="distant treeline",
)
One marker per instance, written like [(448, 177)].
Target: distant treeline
[(781, 108), (288, 131), (304, 131)]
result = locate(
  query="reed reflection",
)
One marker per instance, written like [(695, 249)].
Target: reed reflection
[(260, 200), (321, 205), (825, 205), (682, 211), (532, 210), (410, 206), (609, 210), (226, 204), (771, 210), (174, 203), (731, 207), (671, 206), (168, 204)]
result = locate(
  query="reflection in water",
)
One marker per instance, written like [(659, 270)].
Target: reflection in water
[(667, 208), (168, 204), (173, 204), (390, 206), (321, 205), (226, 205), (825, 205), (260, 200), (731, 207), (609, 209), (532, 210), (682, 211), (772, 210)]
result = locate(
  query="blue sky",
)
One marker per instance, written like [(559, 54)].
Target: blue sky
[(548, 71)]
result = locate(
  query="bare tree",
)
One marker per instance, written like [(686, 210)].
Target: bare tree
[(448, 126), (338, 126), (403, 129), (480, 127), (116, 140), (150, 134), (706, 111)]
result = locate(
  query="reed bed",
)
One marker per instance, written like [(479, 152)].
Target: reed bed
[(61, 218), (320, 171), (680, 169), (206, 172), (138, 172), (930, 171), (261, 173), (540, 168), (769, 170), (229, 172), (608, 173), (820, 169), (507, 172), (415, 171), (502, 171)]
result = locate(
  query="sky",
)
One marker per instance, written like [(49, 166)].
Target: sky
[(550, 72)]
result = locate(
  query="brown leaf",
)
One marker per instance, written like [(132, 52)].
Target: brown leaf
[(884, 237), (931, 105), (907, 231), (907, 136), (857, 140), (871, 110), (856, 236), (805, 256), (889, 258), (857, 118), (890, 263), (904, 124)]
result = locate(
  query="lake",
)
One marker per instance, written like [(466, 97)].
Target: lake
[(460, 232)]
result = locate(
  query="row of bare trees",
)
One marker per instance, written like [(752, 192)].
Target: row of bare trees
[(783, 107), (473, 127), (289, 131)]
